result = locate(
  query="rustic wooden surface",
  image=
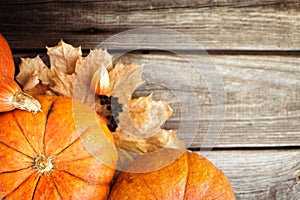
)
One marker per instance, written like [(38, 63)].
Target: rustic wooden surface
[(264, 174), (262, 97), (220, 24), (254, 45)]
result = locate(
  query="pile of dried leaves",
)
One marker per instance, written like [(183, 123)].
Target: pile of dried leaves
[(137, 122)]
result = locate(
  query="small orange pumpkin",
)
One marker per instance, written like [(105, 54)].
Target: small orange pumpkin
[(42, 155), (11, 95), (188, 177)]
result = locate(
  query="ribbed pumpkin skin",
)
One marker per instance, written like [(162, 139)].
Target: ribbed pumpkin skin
[(190, 177), (7, 67), (7, 91), (24, 137), (8, 86)]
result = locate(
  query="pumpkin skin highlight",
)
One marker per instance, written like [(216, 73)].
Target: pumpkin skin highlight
[(7, 66), (189, 177), (43, 157), (7, 70), (11, 95)]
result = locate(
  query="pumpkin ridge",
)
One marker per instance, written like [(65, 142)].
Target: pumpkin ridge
[(149, 188), (187, 177), (20, 184), (74, 159), (23, 182), (16, 150), (212, 182), (34, 190), (22, 131), (17, 170), (46, 122), (75, 176), (69, 145), (26, 189), (52, 179), (205, 164), (55, 185)]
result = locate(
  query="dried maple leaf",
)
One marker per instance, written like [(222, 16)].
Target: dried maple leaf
[(63, 84), (65, 62), (139, 120), (146, 116), (34, 66), (124, 80), (139, 124), (94, 60), (149, 115), (34, 86), (37, 78), (32, 81), (79, 62), (120, 81), (40, 89), (162, 139), (63, 57)]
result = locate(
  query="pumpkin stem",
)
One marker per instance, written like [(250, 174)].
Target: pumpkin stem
[(43, 164), (26, 102)]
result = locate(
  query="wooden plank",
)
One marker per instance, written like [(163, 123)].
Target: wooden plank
[(260, 175), (216, 25), (262, 98)]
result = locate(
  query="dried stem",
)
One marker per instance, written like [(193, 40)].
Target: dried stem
[(26, 102)]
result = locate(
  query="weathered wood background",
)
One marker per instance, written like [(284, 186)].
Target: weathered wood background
[(255, 46)]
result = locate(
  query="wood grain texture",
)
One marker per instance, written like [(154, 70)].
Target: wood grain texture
[(260, 175), (216, 25), (262, 97)]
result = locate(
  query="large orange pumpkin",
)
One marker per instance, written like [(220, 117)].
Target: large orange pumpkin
[(188, 177), (43, 157)]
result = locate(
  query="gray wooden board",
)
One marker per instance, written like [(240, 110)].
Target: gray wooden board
[(260, 175), (218, 25), (262, 97)]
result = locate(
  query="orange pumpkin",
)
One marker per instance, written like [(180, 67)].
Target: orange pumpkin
[(43, 156), (11, 95), (7, 68), (188, 177)]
